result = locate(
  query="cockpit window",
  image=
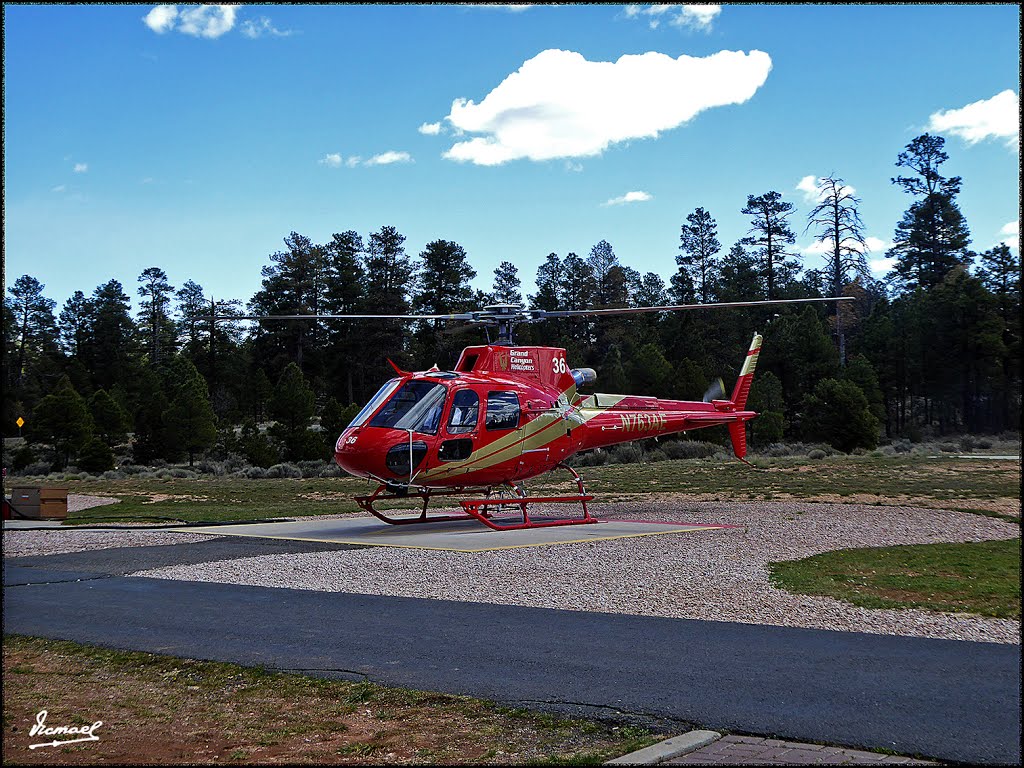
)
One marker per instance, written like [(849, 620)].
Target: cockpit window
[(465, 411), (374, 403), (502, 410), (416, 406)]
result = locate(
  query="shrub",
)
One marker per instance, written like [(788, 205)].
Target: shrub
[(284, 470), (23, 457), (902, 446), (948, 448), (113, 474), (968, 443), (312, 468), (838, 412), (768, 427), (625, 454), (984, 443), (37, 468), (96, 456), (778, 450), (255, 473), (208, 467), (332, 470), (816, 454), (689, 449)]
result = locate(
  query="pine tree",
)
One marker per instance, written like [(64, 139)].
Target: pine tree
[(110, 420), (550, 285), (770, 234), (189, 422), (76, 317), (154, 313), (507, 285), (1000, 272), (443, 287), (111, 349), (292, 406), (293, 284), (34, 326), (343, 295), (62, 419), (837, 413), (602, 261), (698, 245), (932, 236), (192, 305)]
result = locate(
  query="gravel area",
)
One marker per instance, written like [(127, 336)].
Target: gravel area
[(61, 541), (712, 575), (79, 501)]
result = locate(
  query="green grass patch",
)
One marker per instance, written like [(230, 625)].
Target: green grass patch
[(975, 577), (220, 499)]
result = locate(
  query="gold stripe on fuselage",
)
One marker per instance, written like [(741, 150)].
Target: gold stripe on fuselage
[(534, 435)]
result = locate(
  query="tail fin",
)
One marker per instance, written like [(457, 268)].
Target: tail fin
[(742, 389), (738, 435)]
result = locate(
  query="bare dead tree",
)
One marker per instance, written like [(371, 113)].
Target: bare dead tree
[(839, 225)]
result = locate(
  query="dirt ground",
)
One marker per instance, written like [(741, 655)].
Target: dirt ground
[(162, 710)]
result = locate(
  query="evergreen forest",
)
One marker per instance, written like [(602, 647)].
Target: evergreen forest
[(932, 350)]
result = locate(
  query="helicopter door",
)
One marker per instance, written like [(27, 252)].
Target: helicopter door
[(461, 427), (503, 415)]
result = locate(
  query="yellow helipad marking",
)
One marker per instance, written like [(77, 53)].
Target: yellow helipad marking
[(440, 540)]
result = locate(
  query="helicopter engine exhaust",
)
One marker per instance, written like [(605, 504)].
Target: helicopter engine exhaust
[(583, 376)]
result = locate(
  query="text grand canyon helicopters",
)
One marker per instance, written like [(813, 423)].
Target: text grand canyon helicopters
[(508, 413)]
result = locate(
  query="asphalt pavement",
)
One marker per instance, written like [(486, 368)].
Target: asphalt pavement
[(942, 699)]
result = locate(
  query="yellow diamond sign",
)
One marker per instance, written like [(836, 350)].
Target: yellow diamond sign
[(20, 422)]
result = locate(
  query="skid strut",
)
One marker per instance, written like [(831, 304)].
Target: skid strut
[(478, 509)]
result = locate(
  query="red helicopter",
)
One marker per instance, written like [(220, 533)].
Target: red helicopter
[(508, 413)]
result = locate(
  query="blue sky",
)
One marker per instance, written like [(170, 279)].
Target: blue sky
[(195, 138)]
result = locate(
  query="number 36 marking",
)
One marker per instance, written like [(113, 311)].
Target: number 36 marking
[(558, 365)]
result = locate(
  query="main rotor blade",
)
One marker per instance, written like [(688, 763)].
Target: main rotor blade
[(460, 316), (540, 314)]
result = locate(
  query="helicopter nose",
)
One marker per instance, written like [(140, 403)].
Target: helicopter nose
[(383, 454), (349, 455)]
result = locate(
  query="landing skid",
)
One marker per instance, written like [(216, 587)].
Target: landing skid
[(477, 509)]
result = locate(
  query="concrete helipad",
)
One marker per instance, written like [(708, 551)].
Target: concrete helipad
[(457, 535)]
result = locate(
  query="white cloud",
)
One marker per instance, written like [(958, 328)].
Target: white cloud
[(823, 247), (881, 266), (574, 167), (335, 160), (161, 18), (997, 117), (809, 186), (208, 21), (629, 197), (507, 7), (430, 129), (389, 157), (262, 27), (1011, 234), (814, 189), (559, 105), (81, 167), (59, 188), (689, 16)]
